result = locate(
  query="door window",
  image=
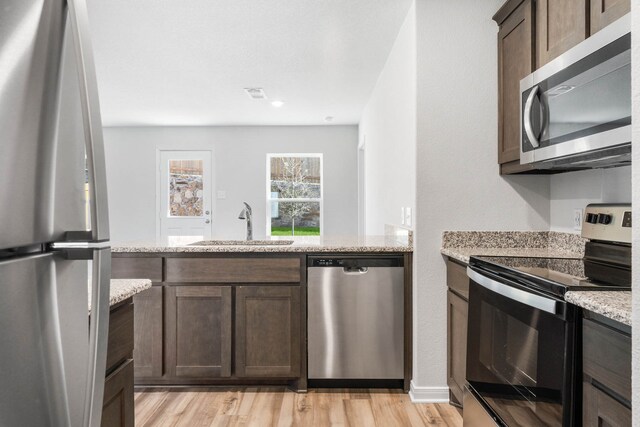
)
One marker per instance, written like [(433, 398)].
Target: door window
[(185, 188)]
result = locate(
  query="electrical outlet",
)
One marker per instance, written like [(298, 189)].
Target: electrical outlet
[(408, 219), (402, 217), (577, 219)]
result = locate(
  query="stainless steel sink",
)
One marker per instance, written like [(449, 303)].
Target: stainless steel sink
[(242, 243)]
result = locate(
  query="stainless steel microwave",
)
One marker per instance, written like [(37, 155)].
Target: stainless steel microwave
[(576, 110)]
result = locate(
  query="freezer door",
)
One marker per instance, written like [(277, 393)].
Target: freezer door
[(49, 160), (45, 357)]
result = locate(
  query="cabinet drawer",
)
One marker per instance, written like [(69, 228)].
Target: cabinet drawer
[(233, 270), (137, 268), (607, 357), (457, 279), (120, 341), (118, 407)]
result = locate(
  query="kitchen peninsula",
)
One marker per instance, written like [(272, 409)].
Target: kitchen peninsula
[(235, 313)]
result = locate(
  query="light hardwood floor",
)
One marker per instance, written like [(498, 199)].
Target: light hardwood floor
[(276, 406)]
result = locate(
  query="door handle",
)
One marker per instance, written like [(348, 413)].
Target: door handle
[(528, 127), (527, 298), (207, 221), (92, 124)]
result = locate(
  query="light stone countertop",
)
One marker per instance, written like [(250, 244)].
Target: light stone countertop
[(463, 254), (363, 244), (615, 305), (461, 245), (121, 289)]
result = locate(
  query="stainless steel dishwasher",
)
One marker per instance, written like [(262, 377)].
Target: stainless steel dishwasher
[(355, 318)]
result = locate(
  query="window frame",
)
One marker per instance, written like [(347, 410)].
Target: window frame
[(270, 200)]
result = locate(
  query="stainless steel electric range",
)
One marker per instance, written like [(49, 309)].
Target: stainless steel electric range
[(523, 343)]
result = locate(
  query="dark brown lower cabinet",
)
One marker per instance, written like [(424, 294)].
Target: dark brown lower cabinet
[(117, 404), (118, 409), (148, 325), (457, 313), (602, 410), (268, 331), (606, 364), (198, 331)]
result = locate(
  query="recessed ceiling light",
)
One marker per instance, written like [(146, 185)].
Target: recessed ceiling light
[(277, 104), (328, 119)]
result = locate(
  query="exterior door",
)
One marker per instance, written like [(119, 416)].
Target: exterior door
[(185, 194)]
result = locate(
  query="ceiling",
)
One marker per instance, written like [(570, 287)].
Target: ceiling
[(186, 62)]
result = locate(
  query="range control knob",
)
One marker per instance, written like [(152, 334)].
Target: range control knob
[(604, 219), (592, 218)]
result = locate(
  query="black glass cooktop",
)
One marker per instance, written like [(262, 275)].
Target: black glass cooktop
[(557, 275)]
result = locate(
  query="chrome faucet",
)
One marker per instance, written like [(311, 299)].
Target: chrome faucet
[(246, 214)]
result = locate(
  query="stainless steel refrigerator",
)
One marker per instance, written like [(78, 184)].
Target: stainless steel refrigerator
[(54, 249)]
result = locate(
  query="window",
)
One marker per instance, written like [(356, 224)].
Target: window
[(185, 188), (294, 194)]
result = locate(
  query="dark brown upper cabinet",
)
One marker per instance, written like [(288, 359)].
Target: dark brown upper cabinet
[(532, 33), (604, 12), (198, 331), (560, 25), (515, 61), (268, 331)]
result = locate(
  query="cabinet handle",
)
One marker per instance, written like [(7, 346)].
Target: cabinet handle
[(528, 128)]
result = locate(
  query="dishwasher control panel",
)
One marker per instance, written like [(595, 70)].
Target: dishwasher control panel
[(327, 262), (355, 262)]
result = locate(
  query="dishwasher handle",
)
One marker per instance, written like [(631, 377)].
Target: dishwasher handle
[(355, 270)]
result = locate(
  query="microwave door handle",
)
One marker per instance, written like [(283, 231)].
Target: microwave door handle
[(528, 127), (527, 298), (92, 124)]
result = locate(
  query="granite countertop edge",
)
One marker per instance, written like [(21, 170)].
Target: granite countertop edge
[(615, 305), (122, 289), (463, 254), (390, 247)]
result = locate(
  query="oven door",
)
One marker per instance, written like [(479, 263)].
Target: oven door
[(520, 352), (578, 106)]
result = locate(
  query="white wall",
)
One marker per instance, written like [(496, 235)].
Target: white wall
[(239, 168), (458, 182), (574, 190), (388, 131), (635, 83)]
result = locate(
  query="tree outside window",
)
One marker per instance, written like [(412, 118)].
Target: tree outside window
[(294, 194)]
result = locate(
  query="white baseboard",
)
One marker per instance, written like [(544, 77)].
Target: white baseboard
[(428, 394)]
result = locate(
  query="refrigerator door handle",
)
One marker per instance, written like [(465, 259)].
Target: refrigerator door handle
[(92, 124), (98, 331)]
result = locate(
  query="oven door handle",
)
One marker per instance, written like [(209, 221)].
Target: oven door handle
[(528, 126), (537, 301)]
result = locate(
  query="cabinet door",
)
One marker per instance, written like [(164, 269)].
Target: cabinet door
[(457, 309), (515, 61), (268, 331), (601, 410), (198, 331), (118, 406), (604, 12), (560, 25), (148, 323)]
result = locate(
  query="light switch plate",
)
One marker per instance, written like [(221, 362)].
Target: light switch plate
[(408, 217), (222, 195), (402, 216)]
